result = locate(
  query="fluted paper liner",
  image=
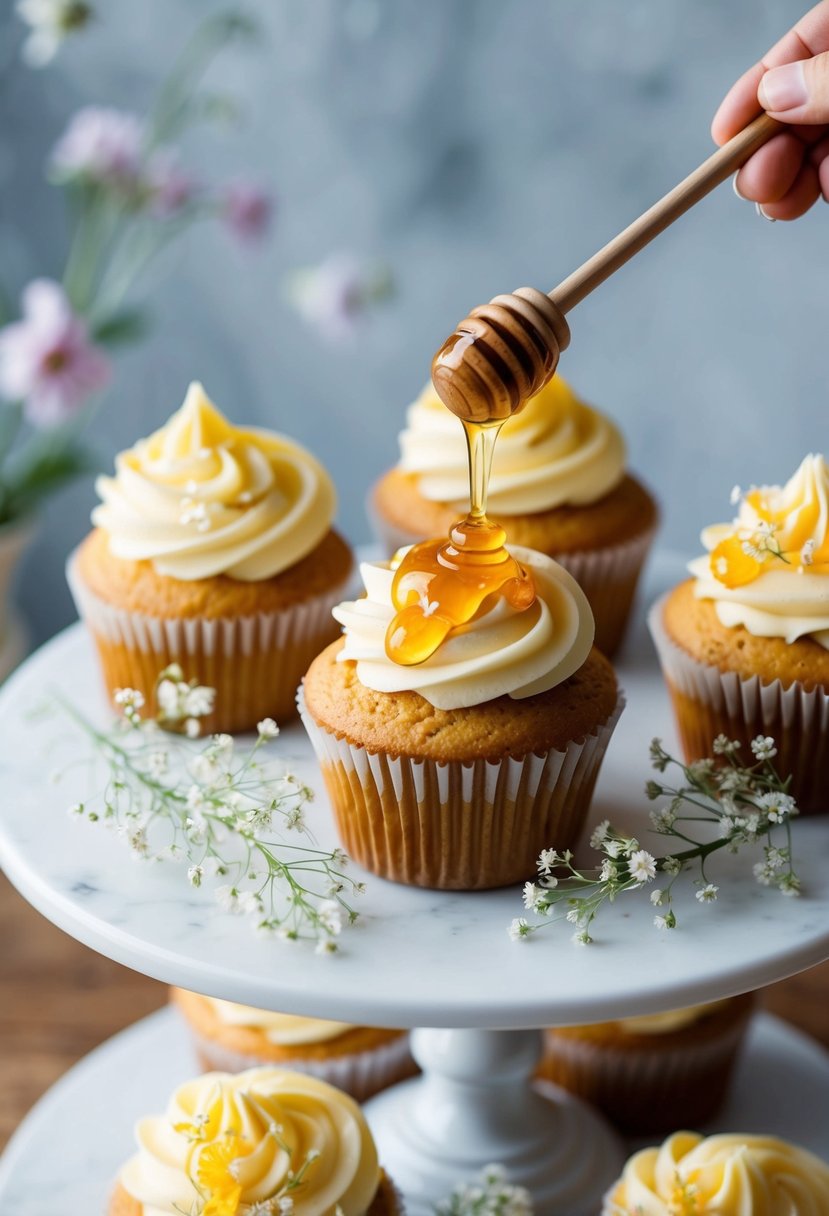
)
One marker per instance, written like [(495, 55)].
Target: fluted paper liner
[(647, 1091), (457, 826), (254, 662), (708, 702), (361, 1074), (607, 576)]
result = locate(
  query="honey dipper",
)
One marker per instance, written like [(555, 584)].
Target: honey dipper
[(504, 352)]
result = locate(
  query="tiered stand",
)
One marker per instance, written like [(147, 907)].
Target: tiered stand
[(442, 963)]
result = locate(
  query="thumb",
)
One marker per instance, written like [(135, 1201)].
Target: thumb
[(797, 92)]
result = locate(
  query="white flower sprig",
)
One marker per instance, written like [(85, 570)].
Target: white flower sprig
[(220, 811), (737, 806), (489, 1195)]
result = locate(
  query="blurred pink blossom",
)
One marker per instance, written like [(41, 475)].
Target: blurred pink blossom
[(247, 209), (102, 144), (47, 359), (169, 186), (335, 294)]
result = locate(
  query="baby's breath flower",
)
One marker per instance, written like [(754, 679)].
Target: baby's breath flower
[(777, 806), (657, 897), (531, 895), (642, 866), (582, 938), (707, 894), (665, 922), (267, 729), (723, 746), (663, 820), (519, 929), (598, 835), (546, 860), (763, 747), (194, 875), (659, 757)]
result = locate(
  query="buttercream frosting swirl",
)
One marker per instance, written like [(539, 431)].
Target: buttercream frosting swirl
[(769, 569), (282, 1029), (726, 1175), (201, 497), (240, 1138), (555, 451), (502, 651), (672, 1020)]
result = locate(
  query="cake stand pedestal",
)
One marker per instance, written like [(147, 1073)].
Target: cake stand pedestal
[(473, 1106), (441, 962)]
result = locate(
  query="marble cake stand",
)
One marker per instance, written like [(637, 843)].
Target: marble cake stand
[(438, 962)]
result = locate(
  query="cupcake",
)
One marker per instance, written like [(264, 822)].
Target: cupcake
[(228, 1037), (654, 1073), (744, 643), (558, 485), (456, 773), (727, 1175), (253, 1143), (212, 549)]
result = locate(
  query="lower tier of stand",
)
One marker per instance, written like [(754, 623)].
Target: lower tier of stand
[(67, 1151)]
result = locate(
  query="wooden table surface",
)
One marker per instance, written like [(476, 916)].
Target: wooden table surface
[(58, 1000)]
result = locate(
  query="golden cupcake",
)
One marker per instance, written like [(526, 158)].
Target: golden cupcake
[(212, 549), (744, 643), (457, 772), (651, 1074), (253, 1143), (558, 485), (361, 1060), (726, 1175)]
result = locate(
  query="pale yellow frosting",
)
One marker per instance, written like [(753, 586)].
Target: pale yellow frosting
[(556, 451), (727, 1175), (276, 1119), (772, 596), (667, 1023), (201, 497), (500, 652), (283, 1029)]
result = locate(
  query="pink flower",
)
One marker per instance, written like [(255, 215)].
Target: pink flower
[(247, 209), (47, 359), (170, 188), (335, 294), (102, 144)]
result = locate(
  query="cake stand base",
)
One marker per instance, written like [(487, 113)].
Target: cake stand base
[(475, 1105)]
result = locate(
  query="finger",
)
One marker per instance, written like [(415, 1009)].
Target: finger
[(797, 92), (819, 157), (809, 37), (804, 192), (771, 172)]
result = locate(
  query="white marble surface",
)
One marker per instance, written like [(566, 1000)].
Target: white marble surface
[(67, 1152), (417, 958)]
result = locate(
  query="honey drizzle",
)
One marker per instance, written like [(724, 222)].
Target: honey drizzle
[(442, 585)]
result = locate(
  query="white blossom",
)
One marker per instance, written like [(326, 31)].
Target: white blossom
[(547, 860), (194, 875), (642, 866), (763, 747), (267, 729), (707, 894), (330, 916), (519, 929), (657, 896), (599, 834)]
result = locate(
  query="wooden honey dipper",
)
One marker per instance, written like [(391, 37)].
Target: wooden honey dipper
[(506, 351)]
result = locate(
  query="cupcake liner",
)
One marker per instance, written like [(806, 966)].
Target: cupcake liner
[(456, 826), (361, 1074), (608, 576), (642, 1089), (254, 662), (708, 702)]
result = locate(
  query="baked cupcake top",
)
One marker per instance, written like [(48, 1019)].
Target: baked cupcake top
[(502, 651), (726, 1175), (201, 497), (227, 1142), (557, 451), (669, 1022), (283, 1029), (768, 570)]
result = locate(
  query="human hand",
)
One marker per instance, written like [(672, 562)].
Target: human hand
[(791, 82)]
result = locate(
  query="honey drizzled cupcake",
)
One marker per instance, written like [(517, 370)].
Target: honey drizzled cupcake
[(361, 1060), (457, 772), (213, 549), (265, 1141), (651, 1074), (725, 1175), (744, 643), (558, 485)]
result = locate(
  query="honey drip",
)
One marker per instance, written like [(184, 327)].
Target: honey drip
[(441, 585)]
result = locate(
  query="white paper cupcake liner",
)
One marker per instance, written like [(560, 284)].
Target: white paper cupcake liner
[(708, 702), (254, 662), (608, 576), (361, 1074), (456, 826)]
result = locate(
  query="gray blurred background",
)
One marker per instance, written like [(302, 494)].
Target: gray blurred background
[(475, 146)]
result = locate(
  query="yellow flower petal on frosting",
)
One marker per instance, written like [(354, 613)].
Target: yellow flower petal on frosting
[(217, 1176), (731, 565)]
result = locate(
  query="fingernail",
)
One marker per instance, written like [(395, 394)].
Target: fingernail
[(783, 88), (771, 219), (737, 189)]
